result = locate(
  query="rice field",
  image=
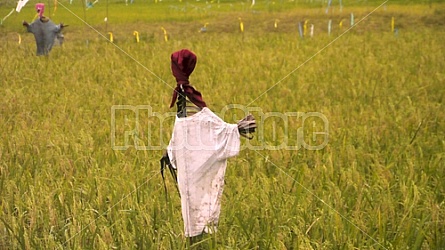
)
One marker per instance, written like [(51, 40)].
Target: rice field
[(349, 151)]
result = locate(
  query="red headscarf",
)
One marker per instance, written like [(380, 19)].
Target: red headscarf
[(183, 64)]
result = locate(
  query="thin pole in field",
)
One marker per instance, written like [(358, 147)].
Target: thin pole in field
[(84, 4), (106, 22), (49, 8)]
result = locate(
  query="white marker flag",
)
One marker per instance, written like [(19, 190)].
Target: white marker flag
[(20, 4)]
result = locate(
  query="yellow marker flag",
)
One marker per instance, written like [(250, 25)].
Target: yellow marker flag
[(111, 36), (55, 7), (341, 24), (241, 24), (165, 34), (135, 33), (305, 27), (392, 24), (276, 23)]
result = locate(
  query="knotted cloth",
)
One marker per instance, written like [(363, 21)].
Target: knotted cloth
[(40, 7), (183, 63)]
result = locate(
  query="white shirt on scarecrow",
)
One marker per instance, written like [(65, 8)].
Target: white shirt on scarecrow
[(199, 149)]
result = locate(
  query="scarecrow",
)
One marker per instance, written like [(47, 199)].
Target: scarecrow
[(198, 150), (45, 31)]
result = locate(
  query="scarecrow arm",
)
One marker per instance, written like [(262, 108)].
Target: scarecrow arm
[(28, 26), (247, 126)]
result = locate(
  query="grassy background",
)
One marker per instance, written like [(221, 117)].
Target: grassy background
[(378, 184)]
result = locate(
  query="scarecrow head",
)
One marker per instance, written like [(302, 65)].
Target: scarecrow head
[(183, 63), (40, 7)]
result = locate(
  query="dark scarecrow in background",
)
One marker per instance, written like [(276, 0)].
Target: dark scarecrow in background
[(45, 31), (199, 148)]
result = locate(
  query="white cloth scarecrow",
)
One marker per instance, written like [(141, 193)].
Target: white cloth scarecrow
[(199, 148)]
